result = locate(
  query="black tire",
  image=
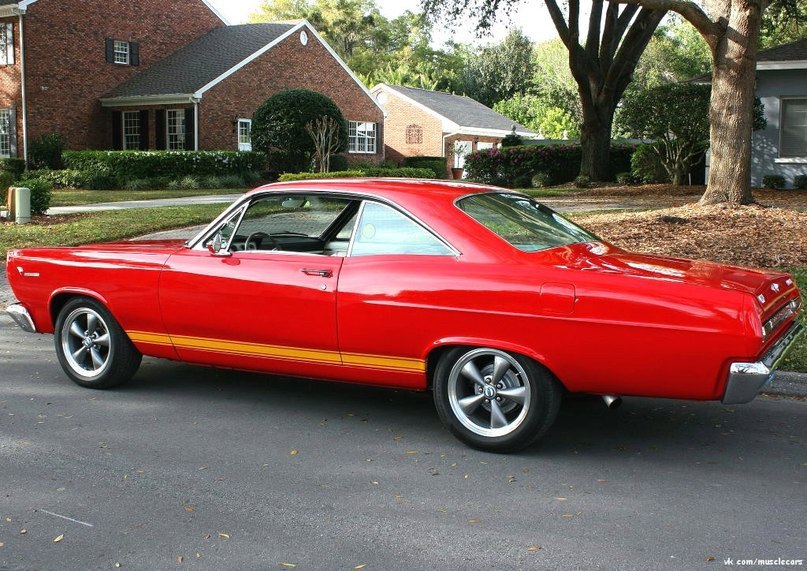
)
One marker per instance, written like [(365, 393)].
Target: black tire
[(524, 404), (92, 348)]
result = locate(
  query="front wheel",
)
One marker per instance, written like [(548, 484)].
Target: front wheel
[(92, 348), (494, 400)]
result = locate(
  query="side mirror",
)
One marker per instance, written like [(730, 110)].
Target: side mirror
[(216, 247)]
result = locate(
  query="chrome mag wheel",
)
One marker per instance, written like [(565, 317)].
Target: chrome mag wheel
[(488, 392), (86, 343)]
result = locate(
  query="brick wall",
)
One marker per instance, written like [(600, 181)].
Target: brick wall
[(400, 115), (287, 65), (65, 60)]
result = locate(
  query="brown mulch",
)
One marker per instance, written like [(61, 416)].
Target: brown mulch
[(747, 235), (676, 195)]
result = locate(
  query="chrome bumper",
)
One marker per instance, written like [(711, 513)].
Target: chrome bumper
[(22, 318), (747, 379)]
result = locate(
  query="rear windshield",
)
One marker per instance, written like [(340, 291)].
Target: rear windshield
[(524, 223)]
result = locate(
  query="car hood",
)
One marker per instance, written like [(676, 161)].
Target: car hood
[(606, 258)]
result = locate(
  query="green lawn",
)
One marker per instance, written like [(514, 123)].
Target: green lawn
[(76, 197), (104, 226)]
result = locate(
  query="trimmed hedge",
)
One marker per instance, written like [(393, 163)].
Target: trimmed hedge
[(514, 167), (436, 164), (364, 173), (15, 166), (128, 165)]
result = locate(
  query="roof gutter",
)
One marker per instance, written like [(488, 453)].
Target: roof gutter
[(141, 100)]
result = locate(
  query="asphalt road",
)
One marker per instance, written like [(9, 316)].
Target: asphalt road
[(193, 467)]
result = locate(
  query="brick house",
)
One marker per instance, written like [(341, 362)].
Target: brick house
[(420, 122), (136, 75)]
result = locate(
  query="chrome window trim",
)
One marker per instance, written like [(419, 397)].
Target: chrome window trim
[(198, 241), (359, 214)]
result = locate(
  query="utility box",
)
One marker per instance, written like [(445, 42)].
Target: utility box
[(22, 204)]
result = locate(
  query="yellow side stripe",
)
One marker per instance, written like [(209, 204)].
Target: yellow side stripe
[(280, 352)]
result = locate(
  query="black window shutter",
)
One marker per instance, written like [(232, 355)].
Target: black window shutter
[(110, 50), (117, 131), (134, 53), (144, 130), (190, 130), (159, 129), (12, 131)]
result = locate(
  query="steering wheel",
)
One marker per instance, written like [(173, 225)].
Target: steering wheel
[(262, 236)]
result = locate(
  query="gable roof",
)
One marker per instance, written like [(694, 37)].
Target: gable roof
[(794, 51), (185, 75), (197, 64), (458, 112)]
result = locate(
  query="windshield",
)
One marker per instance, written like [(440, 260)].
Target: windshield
[(524, 223)]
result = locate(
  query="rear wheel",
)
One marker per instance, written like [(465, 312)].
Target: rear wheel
[(494, 400), (92, 348)]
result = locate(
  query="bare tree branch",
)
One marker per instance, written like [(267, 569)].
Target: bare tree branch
[(690, 11)]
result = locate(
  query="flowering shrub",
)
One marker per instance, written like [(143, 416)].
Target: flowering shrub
[(514, 167)]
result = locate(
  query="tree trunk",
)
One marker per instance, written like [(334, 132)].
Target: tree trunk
[(731, 108), (595, 142)]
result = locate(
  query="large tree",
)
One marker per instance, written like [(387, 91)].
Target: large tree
[(601, 63), (500, 71), (731, 29)]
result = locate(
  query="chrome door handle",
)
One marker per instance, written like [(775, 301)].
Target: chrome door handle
[(320, 273)]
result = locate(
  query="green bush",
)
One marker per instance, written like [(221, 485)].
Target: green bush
[(541, 180), (128, 165), (278, 127), (582, 181), (189, 182), (625, 178), (232, 181), (512, 140), (15, 166), (774, 181), (65, 178), (6, 180), (436, 164), (251, 177), (45, 152), (339, 163), (514, 165), (366, 173), (646, 165), (100, 177), (800, 181), (41, 191), (139, 184)]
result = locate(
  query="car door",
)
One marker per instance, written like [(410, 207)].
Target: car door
[(267, 300), (394, 284)]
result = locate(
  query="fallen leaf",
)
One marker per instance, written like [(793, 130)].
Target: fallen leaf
[(2, 544), (362, 566), (293, 453), (572, 515), (58, 538), (410, 452), (534, 548), (284, 564), (601, 481), (397, 437), (23, 531), (188, 509), (117, 565), (374, 483), (8, 520), (198, 555), (473, 521), (561, 499), (180, 559), (511, 479), (710, 558), (224, 535)]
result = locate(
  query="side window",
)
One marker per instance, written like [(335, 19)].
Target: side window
[(293, 223), (384, 230)]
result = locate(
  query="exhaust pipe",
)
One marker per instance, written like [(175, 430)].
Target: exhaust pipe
[(612, 401)]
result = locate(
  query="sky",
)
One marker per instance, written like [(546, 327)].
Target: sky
[(531, 16)]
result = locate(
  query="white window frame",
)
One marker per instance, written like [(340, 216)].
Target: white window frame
[(131, 119), (782, 103), (175, 129), (362, 137), (6, 43), (245, 140), (122, 52), (5, 133)]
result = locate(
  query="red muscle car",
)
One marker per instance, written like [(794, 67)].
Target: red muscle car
[(490, 299)]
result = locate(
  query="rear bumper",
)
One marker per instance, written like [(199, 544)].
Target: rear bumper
[(747, 379), (21, 317)]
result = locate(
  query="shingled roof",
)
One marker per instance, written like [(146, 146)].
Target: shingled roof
[(794, 51), (194, 66), (465, 112)]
